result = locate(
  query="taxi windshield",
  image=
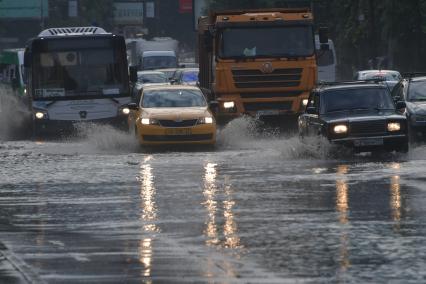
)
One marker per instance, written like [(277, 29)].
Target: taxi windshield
[(357, 99), (172, 98)]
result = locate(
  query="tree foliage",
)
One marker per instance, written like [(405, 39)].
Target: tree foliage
[(367, 33)]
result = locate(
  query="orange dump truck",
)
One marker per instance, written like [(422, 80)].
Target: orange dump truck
[(257, 62)]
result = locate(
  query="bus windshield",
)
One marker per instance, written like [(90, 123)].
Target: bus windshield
[(79, 73), (287, 41)]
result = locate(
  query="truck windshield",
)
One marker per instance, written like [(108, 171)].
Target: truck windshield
[(287, 41), (79, 73), (357, 99)]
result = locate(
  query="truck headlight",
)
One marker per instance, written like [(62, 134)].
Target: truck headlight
[(228, 105), (340, 129), (394, 126)]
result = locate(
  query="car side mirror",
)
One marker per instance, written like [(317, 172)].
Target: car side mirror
[(133, 73), (400, 105), (214, 106), (133, 106), (311, 110), (396, 99)]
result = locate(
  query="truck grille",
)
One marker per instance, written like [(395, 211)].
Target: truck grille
[(255, 106), (253, 78), (271, 95), (368, 127), (172, 123)]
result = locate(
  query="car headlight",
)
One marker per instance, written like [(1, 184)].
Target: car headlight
[(149, 121), (228, 105), (340, 129), (125, 110), (394, 126), (305, 102), (40, 115), (205, 120)]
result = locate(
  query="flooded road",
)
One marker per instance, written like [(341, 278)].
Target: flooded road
[(258, 210)]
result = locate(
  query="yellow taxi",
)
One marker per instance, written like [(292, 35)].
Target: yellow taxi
[(174, 114)]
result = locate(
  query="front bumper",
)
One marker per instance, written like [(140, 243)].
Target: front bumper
[(58, 127), (370, 143), (202, 134)]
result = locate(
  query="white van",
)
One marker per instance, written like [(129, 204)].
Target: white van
[(326, 60), (159, 59)]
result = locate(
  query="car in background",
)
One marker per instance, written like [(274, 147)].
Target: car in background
[(148, 78), (186, 76), (360, 115), (189, 65), (413, 91), (391, 77), (159, 59), (172, 115), (169, 72)]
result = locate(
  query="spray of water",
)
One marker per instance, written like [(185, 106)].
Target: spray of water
[(13, 116)]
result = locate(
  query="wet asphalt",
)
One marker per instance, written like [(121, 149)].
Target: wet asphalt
[(254, 210)]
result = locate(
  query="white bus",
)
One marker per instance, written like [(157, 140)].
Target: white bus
[(326, 60), (76, 75)]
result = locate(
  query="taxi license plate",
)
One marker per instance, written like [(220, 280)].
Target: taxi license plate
[(180, 131), (268, 112), (368, 142)]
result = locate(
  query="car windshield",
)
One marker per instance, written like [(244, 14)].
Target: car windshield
[(388, 76), (417, 91), (357, 99), (173, 98), (286, 41), (190, 76), (157, 62), (145, 78)]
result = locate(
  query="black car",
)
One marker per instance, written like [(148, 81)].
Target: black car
[(413, 91), (361, 115)]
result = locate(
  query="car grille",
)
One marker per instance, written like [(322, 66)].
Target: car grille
[(177, 138), (255, 106), (173, 123), (289, 77), (271, 95), (368, 127)]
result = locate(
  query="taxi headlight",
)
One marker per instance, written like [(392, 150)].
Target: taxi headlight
[(149, 121), (205, 120), (305, 102), (228, 105), (394, 126), (340, 129), (40, 115), (125, 110)]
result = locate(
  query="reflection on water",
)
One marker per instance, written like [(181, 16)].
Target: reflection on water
[(148, 216), (342, 201), (212, 230), (342, 206), (213, 233), (395, 196)]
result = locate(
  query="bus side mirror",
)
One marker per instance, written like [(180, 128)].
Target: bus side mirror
[(133, 73), (323, 34), (28, 56)]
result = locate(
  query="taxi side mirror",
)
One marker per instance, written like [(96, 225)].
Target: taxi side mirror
[(311, 110), (133, 106)]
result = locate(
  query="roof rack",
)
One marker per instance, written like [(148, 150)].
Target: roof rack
[(72, 31)]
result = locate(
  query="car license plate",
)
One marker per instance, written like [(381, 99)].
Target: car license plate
[(178, 131), (268, 112), (368, 142)]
